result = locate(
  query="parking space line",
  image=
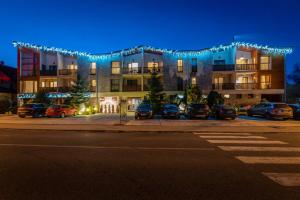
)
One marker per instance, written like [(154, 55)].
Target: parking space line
[(284, 179), (245, 142), (231, 137), (266, 149), (269, 160)]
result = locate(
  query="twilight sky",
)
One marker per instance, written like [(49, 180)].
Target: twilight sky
[(98, 26)]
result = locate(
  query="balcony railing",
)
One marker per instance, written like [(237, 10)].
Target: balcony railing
[(28, 73), (246, 67), (150, 70), (93, 71), (132, 88), (67, 71), (127, 70), (93, 88), (223, 86), (246, 86), (237, 67), (48, 72)]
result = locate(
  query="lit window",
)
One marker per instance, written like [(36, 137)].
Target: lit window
[(153, 66), (180, 65), (55, 84), (133, 67), (265, 81), (265, 63), (194, 81), (94, 83), (226, 96), (93, 65), (28, 86), (43, 84), (115, 67)]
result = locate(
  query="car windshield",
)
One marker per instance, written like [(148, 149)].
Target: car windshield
[(55, 106), (144, 106), (171, 107), (281, 105)]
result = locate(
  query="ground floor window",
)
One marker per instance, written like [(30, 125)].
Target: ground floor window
[(133, 102), (109, 105)]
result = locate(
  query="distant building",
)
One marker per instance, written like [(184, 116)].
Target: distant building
[(8, 82), (243, 73)]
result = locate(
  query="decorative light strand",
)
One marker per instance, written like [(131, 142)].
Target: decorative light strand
[(266, 49)]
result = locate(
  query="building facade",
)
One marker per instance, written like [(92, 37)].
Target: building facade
[(243, 73)]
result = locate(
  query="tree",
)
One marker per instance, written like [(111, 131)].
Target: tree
[(155, 92), (42, 97), (79, 93), (295, 75), (193, 94), (214, 98)]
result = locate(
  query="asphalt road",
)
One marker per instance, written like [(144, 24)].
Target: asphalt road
[(94, 165)]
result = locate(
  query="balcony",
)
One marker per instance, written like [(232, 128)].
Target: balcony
[(93, 71), (127, 70), (48, 72), (28, 73), (65, 72), (246, 67), (246, 86), (237, 67), (93, 88), (132, 88), (223, 86), (148, 70)]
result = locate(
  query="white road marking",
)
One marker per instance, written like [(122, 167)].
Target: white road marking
[(269, 160), (105, 147), (243, 148), (284, 179), (195, 133), (231, 137), (245, 142)]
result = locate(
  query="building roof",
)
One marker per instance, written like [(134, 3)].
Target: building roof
[(105, 56)]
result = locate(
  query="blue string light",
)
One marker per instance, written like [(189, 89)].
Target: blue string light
[(265, 49)]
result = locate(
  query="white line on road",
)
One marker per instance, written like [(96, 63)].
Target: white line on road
[(284, 179), (195, 133), (105, 147), (269, 160), (245, 142), (231, 137), (243, 148)]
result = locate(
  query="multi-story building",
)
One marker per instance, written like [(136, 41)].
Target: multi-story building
[(241, 72)]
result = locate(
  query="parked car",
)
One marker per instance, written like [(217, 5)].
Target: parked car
[(296, 110), (224, 112), (272, 110), (170, 111), (32, 109), (61, 111), (197, 111), (243, 109), (144, 110)]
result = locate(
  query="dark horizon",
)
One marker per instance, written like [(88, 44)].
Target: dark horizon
[(107, 26)]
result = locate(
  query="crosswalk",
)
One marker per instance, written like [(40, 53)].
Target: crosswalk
[(240, 145)]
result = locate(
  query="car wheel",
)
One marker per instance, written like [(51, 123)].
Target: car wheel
[(206, 117), (250, 114), (22, 116), (62, 115), (136, 117), (233, 118)]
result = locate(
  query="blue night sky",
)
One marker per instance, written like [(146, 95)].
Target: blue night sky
[(108, 25)]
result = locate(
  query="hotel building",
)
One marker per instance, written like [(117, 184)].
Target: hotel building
[(243, 73)]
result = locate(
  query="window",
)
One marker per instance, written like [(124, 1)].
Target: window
[(29, 86), (194, 81), (226, 96), (265, 81), (153, 66), (179, 84), (53, 84), (43, 84), (180, 65), (194, 65), (93, 83), (115, 85), (250, 96), (115, 67), (265, 63), (133, 67), (239, 96)]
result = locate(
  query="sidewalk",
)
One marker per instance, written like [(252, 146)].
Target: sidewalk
[(112, 123)]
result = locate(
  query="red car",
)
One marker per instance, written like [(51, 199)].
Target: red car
[(61, 111)]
